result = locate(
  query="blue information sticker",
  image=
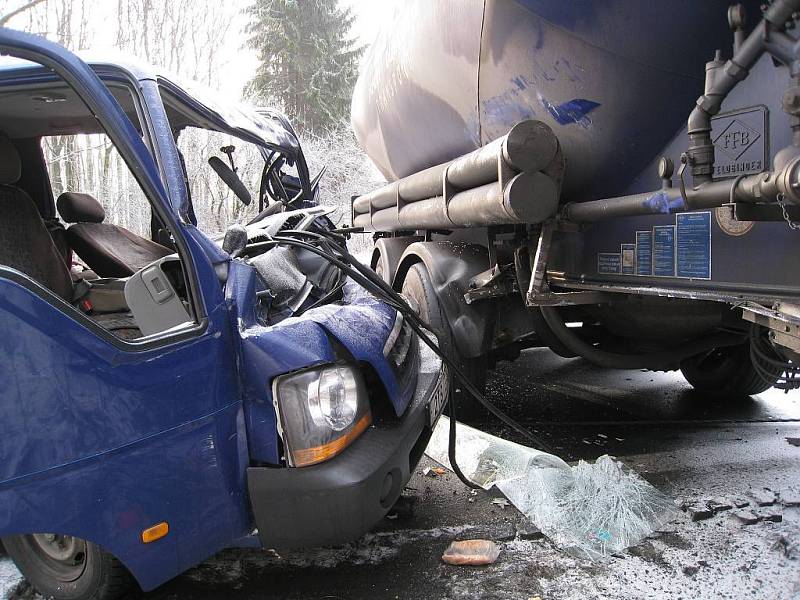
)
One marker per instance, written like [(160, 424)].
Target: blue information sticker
[(644, 252), (628, 252), (609, 263), (664, 251), (693, 245)]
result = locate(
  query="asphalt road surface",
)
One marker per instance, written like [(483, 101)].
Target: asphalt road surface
[(688, 446)]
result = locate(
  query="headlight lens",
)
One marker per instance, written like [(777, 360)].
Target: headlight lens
[(333, 398), (321, 412)]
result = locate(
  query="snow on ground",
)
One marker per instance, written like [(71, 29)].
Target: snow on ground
[(9, 576)]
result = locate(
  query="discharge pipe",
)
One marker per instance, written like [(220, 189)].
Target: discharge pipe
[(760, 188), (721, 79), (782, 183)]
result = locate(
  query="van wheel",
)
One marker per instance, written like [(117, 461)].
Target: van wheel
[(725, 372), (68, 568), (417, 286)]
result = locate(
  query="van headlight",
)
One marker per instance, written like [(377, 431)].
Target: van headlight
[(321, 412)]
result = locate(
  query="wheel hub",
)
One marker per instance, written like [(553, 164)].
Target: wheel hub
[(65, 555)]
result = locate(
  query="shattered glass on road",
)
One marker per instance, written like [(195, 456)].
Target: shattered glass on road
[(589, 510)]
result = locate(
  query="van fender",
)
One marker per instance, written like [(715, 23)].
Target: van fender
[(451, 265)]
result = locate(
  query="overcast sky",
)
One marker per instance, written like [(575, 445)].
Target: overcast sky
[(370, 14), (238, 61)]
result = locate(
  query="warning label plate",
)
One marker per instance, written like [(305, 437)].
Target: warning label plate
[(693, 245), (664, 251), (681, 250), (609, 263), (644, 252)]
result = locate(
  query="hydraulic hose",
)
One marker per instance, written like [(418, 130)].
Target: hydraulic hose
[(375, 285), (652, 360)]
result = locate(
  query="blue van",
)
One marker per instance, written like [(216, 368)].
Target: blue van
[(170, 391)]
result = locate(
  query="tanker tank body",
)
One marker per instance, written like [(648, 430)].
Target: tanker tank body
[(612, 78), (531, 148)]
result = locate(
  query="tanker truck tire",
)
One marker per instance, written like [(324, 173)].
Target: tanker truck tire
[(417, 286), (725, 372)]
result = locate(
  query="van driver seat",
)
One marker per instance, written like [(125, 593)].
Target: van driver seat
[(25, 242), (108, 250)]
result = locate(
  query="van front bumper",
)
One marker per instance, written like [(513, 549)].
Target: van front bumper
[(343, 498)]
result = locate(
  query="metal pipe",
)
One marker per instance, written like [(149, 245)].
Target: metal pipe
[(664, 201), (529, 146), (363, 220), (385, 220), (759, 188), (527, 198), (701, 148), (425, 214), (383, 197), (425, 184)]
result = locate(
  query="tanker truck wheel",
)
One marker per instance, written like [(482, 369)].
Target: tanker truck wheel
[(725, 372), (417, 286), (68, 568)]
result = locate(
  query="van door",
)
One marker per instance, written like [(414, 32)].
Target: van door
[(107, 436)]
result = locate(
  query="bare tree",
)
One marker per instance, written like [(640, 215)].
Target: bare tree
[(4, 19), (183, 36)]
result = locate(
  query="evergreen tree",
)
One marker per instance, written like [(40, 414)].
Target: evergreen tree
[(308, 62)]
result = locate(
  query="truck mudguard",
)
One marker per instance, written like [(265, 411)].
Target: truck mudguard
[(451, 266), (387, 254)]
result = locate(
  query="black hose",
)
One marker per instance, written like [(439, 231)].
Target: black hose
[(771, 363), (653, 360), (398, 302), (375, 285)]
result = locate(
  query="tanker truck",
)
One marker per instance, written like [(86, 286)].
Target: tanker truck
[(617, 180)]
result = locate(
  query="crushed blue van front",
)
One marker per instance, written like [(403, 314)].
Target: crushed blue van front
[(339, 498), (106, 437)]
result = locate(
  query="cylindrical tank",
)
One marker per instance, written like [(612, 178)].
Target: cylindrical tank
[(615, 79)]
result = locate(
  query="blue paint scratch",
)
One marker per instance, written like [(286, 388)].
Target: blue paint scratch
[(660, 202), (572, 111), (510, 107)]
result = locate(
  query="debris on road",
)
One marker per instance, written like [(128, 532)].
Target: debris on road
[(434, 471), (745, 517), (690, 570), (501, 502), (471, 552), (527, 530), (790, 498), (770, 515), (588, 510), (794, 441), (740, 502), (763, 497), (719, 504), (788, 544), (699, 512)]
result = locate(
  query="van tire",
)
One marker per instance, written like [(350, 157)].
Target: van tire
[(725, 372), (417, 285), (90, 573)]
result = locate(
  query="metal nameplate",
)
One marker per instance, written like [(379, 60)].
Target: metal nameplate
[(741, 142)]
